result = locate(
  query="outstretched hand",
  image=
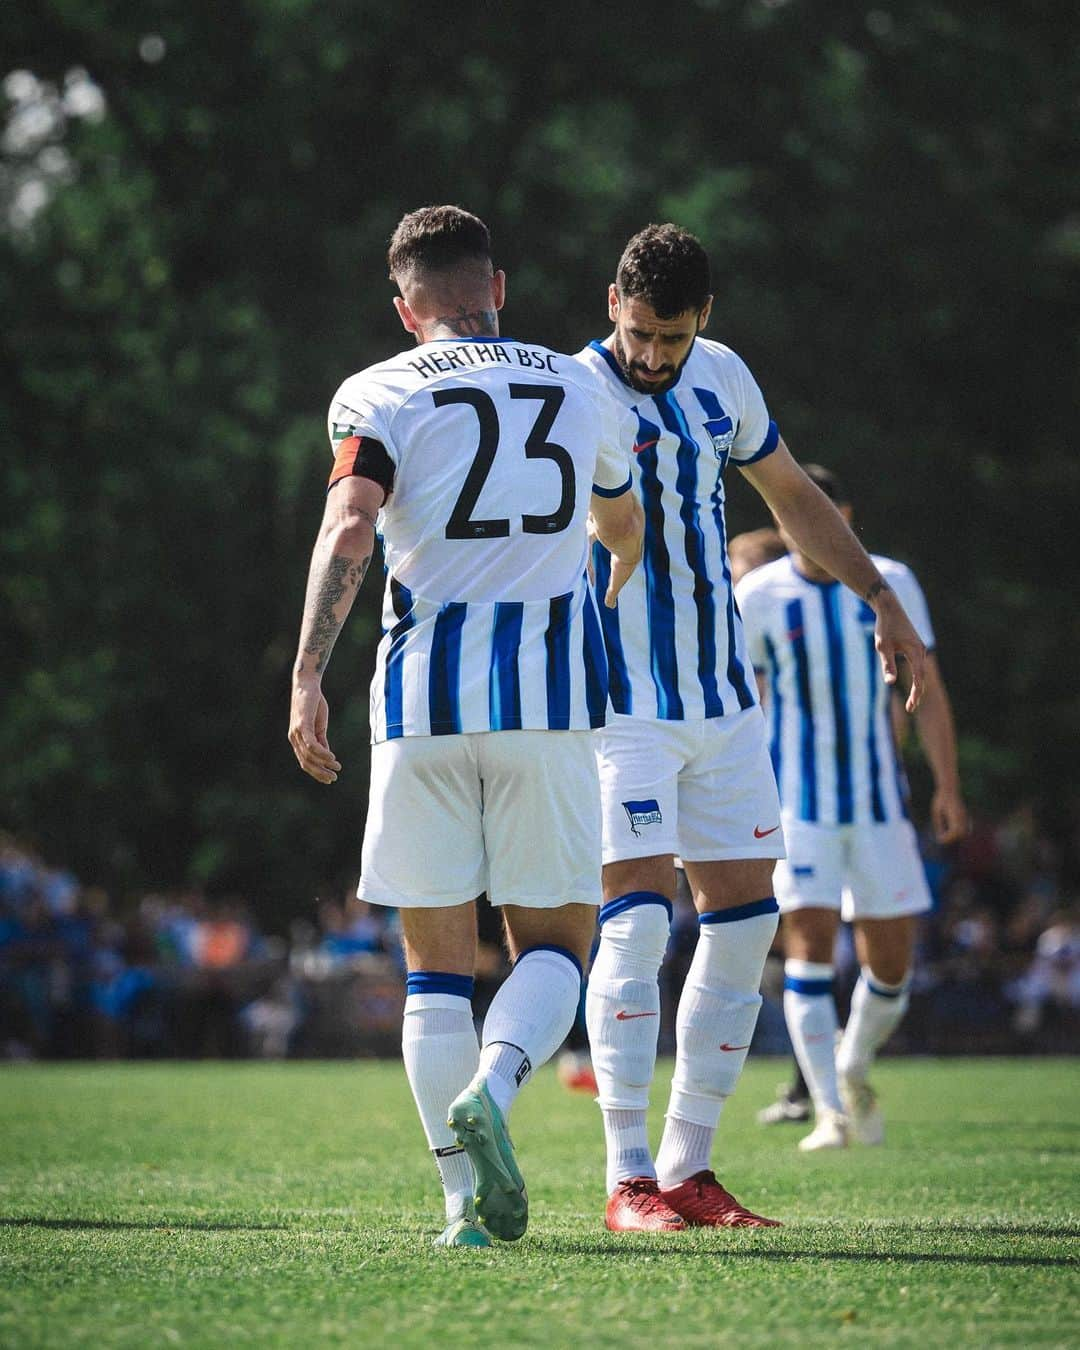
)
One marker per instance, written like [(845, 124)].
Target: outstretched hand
[(308, 722)]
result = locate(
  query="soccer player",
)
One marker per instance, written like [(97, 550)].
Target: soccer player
[(753, 548), (845, 822), (482, 458), (684, 767)]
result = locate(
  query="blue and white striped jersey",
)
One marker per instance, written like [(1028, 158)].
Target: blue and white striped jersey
[(675, 646), (830, 735), (496, 447)]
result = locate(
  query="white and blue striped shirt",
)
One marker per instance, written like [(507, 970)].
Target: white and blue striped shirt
[(675, 646), (496, 448), (830, 735)]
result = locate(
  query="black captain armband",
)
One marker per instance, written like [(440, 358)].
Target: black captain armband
[(363, 457)]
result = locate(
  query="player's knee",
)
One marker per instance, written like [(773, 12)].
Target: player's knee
[(637, 930), (892, 972)]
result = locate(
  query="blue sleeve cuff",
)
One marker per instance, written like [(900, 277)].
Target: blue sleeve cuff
[(614, 492), (768, 445)]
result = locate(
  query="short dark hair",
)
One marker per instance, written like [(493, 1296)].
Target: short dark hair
[(437, 237), (828, 482), (666, 267)]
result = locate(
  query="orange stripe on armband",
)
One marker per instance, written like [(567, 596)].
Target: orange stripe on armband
[(345, 458)]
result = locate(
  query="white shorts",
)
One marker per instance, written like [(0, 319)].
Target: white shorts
[(703, 789), (866, 871), (512, 813)]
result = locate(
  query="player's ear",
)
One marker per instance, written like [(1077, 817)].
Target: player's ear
[(612, 302), (406, 316), (703, 317), (498, 289)]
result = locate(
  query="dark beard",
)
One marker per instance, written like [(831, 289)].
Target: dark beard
[(643, 386)]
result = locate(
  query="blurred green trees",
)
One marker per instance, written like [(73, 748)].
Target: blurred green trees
[(190, 267)]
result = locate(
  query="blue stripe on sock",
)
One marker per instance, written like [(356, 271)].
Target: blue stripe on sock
[(750, 911), (798, 986), (628, 901), (438, 982), (882, 992), (551, 947)]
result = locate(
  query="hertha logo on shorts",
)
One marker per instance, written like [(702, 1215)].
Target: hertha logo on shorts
[(643, 813)]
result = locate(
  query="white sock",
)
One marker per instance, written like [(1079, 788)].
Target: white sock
[(877, 1009), (622, 1013), (717, 1013), (627, 1140), (439, 1047), (810, 1010), (528, 1020)]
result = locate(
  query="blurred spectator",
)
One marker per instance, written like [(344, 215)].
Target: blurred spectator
[(1052, 981)]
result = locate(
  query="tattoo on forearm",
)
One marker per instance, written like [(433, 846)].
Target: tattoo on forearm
[(876, 589), (321, 624), (468, 322)]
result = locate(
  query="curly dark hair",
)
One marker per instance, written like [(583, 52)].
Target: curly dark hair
[(666, 267), (437, 237)]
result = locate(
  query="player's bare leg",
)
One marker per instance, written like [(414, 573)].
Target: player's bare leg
[(810, 1009), (526, 1023), (717, 1013), (440, 1050), (884, 948)]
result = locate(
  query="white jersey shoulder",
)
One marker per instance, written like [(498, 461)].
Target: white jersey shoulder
[(496, 449)]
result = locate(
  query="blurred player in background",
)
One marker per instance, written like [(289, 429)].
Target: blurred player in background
[(753, 548), (845, 819), (684, 767), (482, 458)]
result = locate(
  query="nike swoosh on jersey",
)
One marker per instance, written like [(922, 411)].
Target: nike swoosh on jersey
[(759, 833), (645, 445), (627, 1017), (724, 1046)]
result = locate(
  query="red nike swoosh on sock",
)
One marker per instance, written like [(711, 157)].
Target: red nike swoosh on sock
[(626, 1017), (725, 1046), (759, 833)]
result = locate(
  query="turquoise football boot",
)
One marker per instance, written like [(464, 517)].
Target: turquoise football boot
[(464, 1231), (501, 1202)]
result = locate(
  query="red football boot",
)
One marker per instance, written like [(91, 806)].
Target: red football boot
[(704, 1203), (635, 1206)]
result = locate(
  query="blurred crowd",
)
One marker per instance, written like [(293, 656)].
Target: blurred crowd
[(179, 974)]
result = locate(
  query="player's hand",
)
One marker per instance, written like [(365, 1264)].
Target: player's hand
[(948, 816), (310, 715), (621, 572), (894, 636)]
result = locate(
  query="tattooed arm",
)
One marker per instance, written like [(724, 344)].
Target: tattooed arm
[(338, 563)]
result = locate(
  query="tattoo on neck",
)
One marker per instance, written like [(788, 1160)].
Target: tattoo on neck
[(465, 323), (322, 623), (876, 589)]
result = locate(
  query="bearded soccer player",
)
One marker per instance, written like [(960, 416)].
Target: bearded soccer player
[(684, 767), (482, 458), (850, 846)]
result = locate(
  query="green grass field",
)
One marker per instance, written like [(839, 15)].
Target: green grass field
[(294, 1204)]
